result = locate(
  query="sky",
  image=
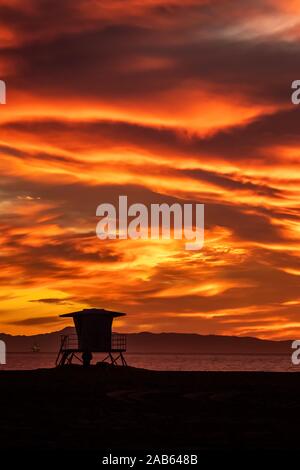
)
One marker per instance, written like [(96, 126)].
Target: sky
[(162, 101)]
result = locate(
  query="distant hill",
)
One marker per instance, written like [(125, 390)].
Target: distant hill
[(48, 342), (161, 343), (194, 343)]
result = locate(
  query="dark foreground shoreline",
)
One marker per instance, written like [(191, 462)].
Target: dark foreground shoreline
[(126, 408)]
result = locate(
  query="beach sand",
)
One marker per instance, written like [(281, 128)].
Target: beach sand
[(115, 407)]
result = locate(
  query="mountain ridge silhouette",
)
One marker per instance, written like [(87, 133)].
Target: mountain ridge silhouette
[(173, 343)]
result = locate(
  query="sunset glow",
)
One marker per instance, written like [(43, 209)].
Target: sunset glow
[(163, 101)]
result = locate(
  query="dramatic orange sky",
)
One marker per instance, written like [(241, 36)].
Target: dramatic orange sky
[(165, 101)]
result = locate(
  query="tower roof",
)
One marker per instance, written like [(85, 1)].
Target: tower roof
[(93, 312)]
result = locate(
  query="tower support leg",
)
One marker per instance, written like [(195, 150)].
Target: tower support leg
[(114, 360)]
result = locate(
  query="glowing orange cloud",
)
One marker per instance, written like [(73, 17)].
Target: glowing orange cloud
[(163, 102)]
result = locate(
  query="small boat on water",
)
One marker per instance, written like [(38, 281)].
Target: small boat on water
[(35, 348)]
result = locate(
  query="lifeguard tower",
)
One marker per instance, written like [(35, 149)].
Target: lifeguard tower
[(93, 335)]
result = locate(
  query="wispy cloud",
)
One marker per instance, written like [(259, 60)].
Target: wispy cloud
[(164, 102)]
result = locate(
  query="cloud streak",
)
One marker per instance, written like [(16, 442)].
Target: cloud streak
[(164, 102)]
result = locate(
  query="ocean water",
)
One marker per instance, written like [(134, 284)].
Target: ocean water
[(179, 362)]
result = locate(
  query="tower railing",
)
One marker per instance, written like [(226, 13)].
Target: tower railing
[(118, 342), (70, 342)]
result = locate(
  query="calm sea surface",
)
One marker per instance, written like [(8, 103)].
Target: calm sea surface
[(187, 362)]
